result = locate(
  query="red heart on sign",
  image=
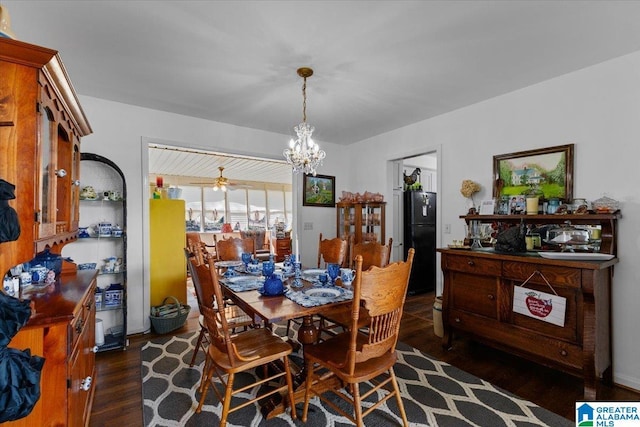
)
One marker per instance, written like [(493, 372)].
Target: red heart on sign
[(538, 307)]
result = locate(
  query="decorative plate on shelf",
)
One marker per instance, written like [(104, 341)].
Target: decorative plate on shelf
[(577, 256)]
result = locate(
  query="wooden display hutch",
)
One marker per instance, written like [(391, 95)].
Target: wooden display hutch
[(479, 293), (364, 221), (41, 123)]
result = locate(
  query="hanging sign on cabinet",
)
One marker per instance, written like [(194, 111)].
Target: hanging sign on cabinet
[(549, 308), (539, 305)]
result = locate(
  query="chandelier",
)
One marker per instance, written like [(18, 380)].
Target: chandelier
[(220, 183), (303, 154)]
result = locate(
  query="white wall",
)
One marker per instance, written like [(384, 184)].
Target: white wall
[(597, 109), (119, 133)]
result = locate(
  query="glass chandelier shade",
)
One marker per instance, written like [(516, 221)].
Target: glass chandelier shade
[(303, 154)]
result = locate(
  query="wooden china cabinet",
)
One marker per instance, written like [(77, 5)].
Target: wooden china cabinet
[(478, 300), (364, 221), (41, 123)]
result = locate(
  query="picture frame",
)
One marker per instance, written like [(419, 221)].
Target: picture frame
[(319, 190), (550, 169), (487, 207)]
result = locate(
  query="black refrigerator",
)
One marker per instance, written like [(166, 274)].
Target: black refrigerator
[(420, 234)]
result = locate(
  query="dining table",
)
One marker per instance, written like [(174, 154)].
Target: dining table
[(296, 301)]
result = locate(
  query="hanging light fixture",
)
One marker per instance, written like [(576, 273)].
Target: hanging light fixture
[(303, 154), (220, 183)]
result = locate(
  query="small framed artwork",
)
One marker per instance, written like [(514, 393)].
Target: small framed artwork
[(319, 190), (549, 169), (487, 207)]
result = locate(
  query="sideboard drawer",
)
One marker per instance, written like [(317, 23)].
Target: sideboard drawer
[(473, 265), (562, 276)]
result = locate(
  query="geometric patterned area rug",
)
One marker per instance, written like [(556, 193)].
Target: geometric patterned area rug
[(434, 394)]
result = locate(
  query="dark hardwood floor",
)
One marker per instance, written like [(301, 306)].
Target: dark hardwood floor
[(118, 399)]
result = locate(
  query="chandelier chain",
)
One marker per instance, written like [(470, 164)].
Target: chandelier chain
[(304, 101), (303, 154)]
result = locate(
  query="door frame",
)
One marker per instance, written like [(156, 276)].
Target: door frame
[(393, 187)]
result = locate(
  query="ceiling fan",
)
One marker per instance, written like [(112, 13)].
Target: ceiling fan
[(221, 183)]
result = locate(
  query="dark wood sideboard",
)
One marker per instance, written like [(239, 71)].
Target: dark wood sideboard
[(478, 301)]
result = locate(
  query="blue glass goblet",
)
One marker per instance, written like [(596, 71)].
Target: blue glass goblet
[(323, 278), (246, 259), (268, 267), (334, 271)]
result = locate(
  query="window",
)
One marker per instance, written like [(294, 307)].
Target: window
[(238, 215), (276, 207), (257, 209), (244, 209), (214, 209), (193, 203)]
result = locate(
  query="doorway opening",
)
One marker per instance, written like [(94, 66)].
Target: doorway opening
[(416, 216)]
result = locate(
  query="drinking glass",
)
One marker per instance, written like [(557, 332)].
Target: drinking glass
[(475, 234), (246, 258), (268, 268), (334, 271), (323, 278)]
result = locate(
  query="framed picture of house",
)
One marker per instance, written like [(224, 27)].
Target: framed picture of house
[(550, 169), (319, 190)]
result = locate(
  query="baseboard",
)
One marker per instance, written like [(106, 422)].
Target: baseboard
[(630, 383)]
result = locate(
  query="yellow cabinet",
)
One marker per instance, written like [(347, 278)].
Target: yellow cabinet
[(168, 269)]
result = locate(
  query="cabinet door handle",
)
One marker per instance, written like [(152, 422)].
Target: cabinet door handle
[(491, 297), (563, 352), (470, 262), (85, 385), (457, 320)]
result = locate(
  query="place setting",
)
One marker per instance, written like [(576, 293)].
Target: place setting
[(324, 289), (242, 283)]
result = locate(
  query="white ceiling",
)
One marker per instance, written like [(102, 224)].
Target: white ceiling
[(179, 166), (379, 65)]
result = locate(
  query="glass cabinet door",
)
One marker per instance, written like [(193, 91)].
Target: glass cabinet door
[(45, 211), (345, 220)]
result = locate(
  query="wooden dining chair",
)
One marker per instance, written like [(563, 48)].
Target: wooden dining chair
[(333, 251), (194, 239), (373, 253), (236, 318), (232, 249), (329, 251), (355, 356), (230, 354)]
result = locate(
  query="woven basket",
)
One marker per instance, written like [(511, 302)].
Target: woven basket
[(171, 322)]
